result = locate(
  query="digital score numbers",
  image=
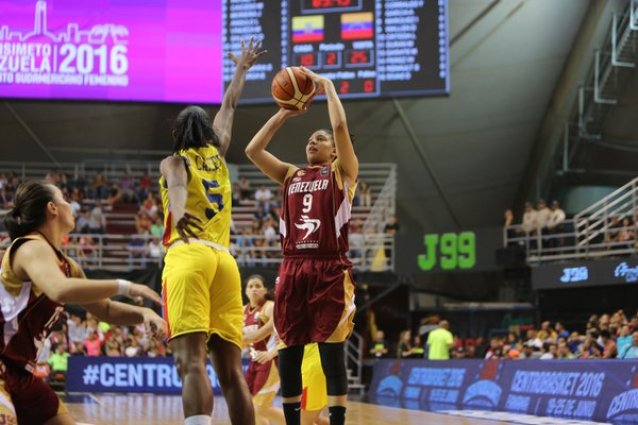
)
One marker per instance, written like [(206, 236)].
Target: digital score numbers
[(368, 48)]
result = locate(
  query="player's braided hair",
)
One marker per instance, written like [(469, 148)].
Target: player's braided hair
[(193, 128)]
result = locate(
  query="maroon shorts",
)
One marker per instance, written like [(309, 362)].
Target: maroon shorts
[(257, 375), (34, 401), (314, 300)]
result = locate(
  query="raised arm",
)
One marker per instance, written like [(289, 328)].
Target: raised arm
[(35, 261), (174, 171), (345, 151), (223, 122), (256, 151)]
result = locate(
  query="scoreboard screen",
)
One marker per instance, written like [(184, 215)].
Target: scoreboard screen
[(369, 48), (174, 50)]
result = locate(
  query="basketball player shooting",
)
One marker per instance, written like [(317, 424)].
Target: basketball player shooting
[(314, 297)]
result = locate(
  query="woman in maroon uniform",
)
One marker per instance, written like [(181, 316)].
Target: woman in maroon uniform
[(36, 279), (314, 297), (262, 375)]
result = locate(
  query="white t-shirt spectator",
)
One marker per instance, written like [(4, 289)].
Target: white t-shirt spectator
[(555, 218), (263, 194), (529, 221), (542, 217)]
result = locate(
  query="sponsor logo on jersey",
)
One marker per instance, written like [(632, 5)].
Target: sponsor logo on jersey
[(325, 171), (310, 225)]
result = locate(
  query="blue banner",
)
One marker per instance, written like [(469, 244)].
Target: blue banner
[(128, 375), (598, 390)]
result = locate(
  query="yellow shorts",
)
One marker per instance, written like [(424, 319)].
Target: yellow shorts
[(314, 395), (201, 288)]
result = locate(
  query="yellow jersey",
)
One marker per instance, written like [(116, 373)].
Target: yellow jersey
[(209, 196)]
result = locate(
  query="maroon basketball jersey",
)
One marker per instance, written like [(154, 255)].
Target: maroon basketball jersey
[(27, 315), (255, 319), (315, 213)]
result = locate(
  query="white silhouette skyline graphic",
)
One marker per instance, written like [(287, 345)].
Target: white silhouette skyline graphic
[(98, 34)]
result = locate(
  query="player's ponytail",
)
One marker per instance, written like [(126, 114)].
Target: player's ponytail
[(30, 210), (193, 129)]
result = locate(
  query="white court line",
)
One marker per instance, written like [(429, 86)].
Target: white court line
[(517, 418)]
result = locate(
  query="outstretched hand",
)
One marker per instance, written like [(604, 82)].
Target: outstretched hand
[(316, 78), (249, 54)]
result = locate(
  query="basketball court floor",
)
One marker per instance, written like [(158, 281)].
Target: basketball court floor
[(149, 409)]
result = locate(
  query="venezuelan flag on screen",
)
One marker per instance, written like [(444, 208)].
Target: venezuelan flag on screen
[(307, 28), (356, 26)]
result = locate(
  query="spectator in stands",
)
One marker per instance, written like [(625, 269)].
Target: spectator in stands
[(364, 197), (236, 195), (134, 348), (112, 348), (627, 233), (137, 251), (76, 329), (418, 352), (115, 197), (244, 189), (155, 249), (92, 344), (76, 206), (549, 351), (82, 223), (496, 348), (530, 223), (150, 205), (59, 360), (609, 345), (97, 221), (157, 228), (561, 332), (624, 339), (563, 351), (87, 247), (143, 223), (404, 346), (555, 223), (99, 187), (546, 332), (508, 222), (5, 199), (590, 349), (632, 351), (260, 214), (440, 341), (391, 227), (357, 242), (263, 197), (379, 348), (144, 187), (574, 341), (127, 188), (427, 325), (245, 243), (542, 215), (270, 233)]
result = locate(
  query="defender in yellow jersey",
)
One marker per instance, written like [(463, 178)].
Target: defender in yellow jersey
[(201, 286)]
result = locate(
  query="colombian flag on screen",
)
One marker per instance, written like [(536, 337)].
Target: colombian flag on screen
[(307, 28), (356, 26)]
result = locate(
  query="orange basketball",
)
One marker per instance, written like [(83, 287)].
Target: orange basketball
[(291, 89)]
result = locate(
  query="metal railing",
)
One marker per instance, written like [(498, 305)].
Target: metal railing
[(126, 252), (561, 243), (594, 220)]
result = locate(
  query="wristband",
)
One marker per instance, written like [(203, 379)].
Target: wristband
[(124, 287)]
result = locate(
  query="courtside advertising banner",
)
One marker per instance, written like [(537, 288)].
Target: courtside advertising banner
[(143, 50), (575, 390), (128, 375)]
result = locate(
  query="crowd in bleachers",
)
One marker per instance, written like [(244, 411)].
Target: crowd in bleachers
[(102, 206), (608, 336)]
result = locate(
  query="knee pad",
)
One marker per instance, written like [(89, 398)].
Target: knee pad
[(290, 359), (333, 363)]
